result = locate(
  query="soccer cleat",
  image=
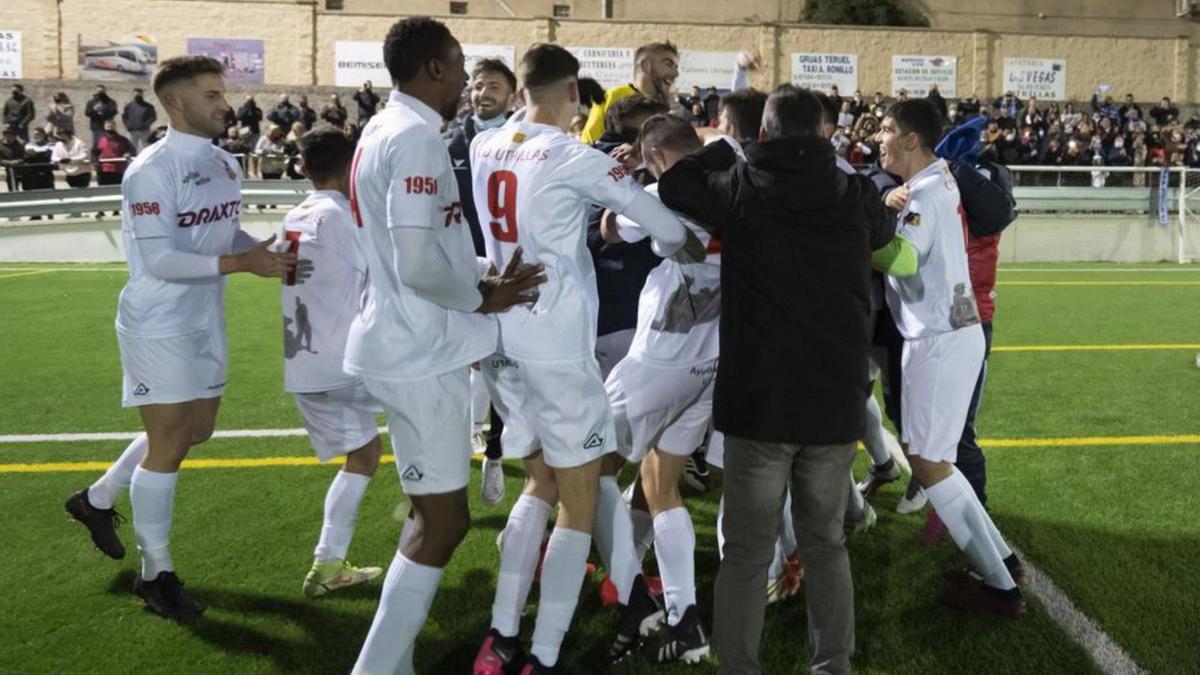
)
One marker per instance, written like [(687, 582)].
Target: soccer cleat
[(695, 472), (499, 655), (331, 575), (934, 530), (491, 488), (636, 620), (535, 667), (868, 520), (101, 523), (165, 597), (914, 499), (965, 575), (976, 596), (878, 477), (684, 642)]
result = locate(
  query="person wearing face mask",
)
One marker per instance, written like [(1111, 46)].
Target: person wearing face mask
[(138, 117), (656, 65)]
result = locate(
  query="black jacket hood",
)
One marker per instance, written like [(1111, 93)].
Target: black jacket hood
[(801, 173)]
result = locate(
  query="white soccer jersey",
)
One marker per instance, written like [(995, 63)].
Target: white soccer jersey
[(185, 189), (318, 312), (680, 303), (938, 299), (401, 177), (533, 186)]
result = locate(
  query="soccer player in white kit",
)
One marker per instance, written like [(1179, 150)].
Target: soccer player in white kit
[(424, 320), (337, 411), (181, 201), (943, 348), (661, 397), (533, 186)]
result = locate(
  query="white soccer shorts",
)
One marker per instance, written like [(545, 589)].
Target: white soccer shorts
[(938, 375), (430, 424), (668, 408), (611, 348), (172, 370), (338, 421), (558, 407)]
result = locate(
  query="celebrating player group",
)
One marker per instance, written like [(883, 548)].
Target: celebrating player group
[(417, 282)]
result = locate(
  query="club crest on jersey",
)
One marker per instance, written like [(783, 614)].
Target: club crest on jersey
[(518, 137), (913, 218)]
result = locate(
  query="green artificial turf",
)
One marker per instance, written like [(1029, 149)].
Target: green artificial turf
[(1112, 526)]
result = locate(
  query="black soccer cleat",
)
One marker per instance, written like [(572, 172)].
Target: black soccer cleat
[(635, 620), (101, 523), (165, 597), (685, 642), (695, 472)]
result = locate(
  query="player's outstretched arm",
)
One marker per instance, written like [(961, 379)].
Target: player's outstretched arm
[(898, 258), (702, 186), (517, 285), (260, 260)]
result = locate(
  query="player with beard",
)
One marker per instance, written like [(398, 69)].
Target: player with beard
[(180, 224), (655, 68), (493, 90)]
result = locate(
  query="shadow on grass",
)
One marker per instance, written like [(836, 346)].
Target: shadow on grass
[(326, 639)]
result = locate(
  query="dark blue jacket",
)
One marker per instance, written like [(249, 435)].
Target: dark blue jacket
[(621, 268)]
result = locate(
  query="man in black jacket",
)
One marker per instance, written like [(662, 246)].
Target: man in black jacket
[(250, 116), (797, 235), (284, 114), (308, 116), (138, 117), (367, 100), (493, 90), (100, 109), (18, 112)]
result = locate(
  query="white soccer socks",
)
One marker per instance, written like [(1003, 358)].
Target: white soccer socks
[(152, 496), (873, 438), (643, 532), (341, 513), (613, 535), (971, 528), (563, 570), (518, 561), (408, 593), (675, 547), (104, 492), (856, 503)]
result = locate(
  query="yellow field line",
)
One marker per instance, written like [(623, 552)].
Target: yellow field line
[(1095, 348), (30, 273), (270, 462)]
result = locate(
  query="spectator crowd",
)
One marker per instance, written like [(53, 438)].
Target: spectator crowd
[(1098, 133)]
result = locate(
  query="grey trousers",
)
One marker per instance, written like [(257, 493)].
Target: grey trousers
[(756, 476)]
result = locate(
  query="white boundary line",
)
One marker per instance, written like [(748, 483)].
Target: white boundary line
[(1104, 651)]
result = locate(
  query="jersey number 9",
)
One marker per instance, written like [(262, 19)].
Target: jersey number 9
[(502, 203)]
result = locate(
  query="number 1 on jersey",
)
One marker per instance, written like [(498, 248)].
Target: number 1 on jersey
[(502, 203)]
